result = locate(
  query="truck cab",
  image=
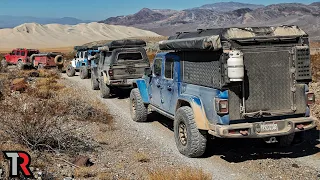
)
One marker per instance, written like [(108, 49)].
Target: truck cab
[(229, 83), (83, 61), (20, 57)]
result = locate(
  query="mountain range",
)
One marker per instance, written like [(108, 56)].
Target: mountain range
[(13, 21), (224, 14)]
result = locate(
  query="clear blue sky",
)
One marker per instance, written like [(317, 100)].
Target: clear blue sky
[(102, 9)]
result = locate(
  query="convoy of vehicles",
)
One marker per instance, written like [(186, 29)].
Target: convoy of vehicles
[(224, 83)]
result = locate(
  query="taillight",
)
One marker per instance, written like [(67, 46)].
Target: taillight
[(310, 98), (222, 106), (110, 72)]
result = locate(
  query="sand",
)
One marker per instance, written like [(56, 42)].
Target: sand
[(33, 35)]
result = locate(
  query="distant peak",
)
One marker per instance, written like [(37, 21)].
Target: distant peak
[(145, 10)]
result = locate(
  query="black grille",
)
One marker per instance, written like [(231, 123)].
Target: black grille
[(267, 81), (303, 63)]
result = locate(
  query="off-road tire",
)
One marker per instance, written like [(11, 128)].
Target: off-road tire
[(196, 142), (94, 82), (286, 141), (138, 110), (20, 65), (60, 69), (84, 73), (104, 89), (70, 71), (40, 66), (4, 63)]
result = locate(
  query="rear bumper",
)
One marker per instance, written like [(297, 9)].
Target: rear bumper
[(253, 130), (122, 83)]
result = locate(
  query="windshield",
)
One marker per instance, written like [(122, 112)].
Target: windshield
[(32, 52)]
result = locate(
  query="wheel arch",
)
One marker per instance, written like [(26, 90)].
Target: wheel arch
[(198, 110)]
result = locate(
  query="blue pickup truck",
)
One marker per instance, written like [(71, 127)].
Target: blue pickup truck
[(229, 83), (83, 62)]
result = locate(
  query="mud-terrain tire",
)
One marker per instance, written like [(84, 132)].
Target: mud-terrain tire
[(94, 82), (84, 73), (104, 89), (70, 71), (138, 110), (4, 63), (20, 65), (60, 69), (286, 141), (40, 66), (189, 140)]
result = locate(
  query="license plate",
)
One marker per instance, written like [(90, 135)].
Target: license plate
[(268, 127)]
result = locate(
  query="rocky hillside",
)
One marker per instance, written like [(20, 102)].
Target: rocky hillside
[(223, 14)]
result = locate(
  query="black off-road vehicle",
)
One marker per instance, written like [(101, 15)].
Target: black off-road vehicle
[(121, 63)]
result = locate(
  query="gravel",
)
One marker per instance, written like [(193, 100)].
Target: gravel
[(226, 159)]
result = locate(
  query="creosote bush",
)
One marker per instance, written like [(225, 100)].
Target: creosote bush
[(37, 118), (179, 174)]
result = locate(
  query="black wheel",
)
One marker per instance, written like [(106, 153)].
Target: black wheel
[(138, 109), (189, 140), (94, 82), (84, 73), (104, 89), (70, 70), (20, 65), (59, 69), (4, 63), (286, 141), (40, 66)]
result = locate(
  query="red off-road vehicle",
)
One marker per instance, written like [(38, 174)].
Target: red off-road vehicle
[(19, 57), (47, 60)]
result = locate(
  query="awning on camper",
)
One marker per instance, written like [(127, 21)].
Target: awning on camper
[(208, 43)]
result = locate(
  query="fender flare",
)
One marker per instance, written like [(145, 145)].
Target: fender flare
[(32, 57), (142, 86), (106, 78), (199, 113)]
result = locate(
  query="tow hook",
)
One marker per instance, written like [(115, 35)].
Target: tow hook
[(271, 140), (244, 132), (300, 126)]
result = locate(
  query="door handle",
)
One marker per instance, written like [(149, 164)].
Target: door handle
[(169, 88)]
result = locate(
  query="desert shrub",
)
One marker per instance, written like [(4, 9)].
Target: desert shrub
[(315, 64), (85, 172), (179, 174), (38, 117)]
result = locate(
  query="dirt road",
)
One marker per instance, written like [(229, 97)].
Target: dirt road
[(225, 159)]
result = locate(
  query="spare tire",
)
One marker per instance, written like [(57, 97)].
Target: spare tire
[(58, 60)]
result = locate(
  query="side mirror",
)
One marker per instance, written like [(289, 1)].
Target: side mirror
[(75, 57), (148, 72)]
